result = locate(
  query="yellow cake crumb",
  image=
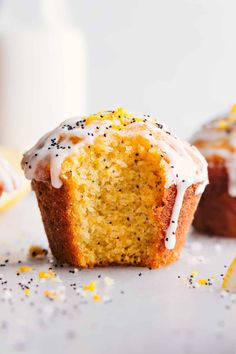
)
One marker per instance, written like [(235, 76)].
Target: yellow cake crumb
[(51, 294), (202, 281), (27, 291), (97, 297), (24, 269), (46, 275), (90, 287)]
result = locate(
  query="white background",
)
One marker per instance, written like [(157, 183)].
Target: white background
[(173, 58)]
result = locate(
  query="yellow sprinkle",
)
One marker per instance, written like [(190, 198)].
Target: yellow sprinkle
[(24, 269), (202, 281), (27, 292), (96, 297), (90, 287), (51, 294), (194, 273), (47, 275)]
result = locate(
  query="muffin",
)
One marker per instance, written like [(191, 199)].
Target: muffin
[(9, 178), (217, 209), (115, 188)]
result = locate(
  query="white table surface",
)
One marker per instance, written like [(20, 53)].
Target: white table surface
[(152, 312)]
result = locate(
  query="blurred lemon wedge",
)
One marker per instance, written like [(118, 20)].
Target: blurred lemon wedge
[(229, 282), (14, 158)]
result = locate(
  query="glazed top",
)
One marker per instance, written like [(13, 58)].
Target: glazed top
[(217, 141), (9, 178), (184, 164)]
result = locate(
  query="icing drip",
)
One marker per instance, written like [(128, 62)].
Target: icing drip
[(231, 168), (9, 179), (184, 169), (184, 164), (218, 138)]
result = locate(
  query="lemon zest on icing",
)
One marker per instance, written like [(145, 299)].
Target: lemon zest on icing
[(119, 115)]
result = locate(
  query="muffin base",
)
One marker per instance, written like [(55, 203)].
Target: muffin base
[(217, 209), (56, 210)]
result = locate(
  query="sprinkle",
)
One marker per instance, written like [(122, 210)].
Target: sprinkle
[(97, 297), (202, 281), (108, 281), (24, 269), (90, 287), (51, 294), (27, 291), (46, 275), (6, 294)]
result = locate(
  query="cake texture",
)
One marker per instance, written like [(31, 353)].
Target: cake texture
[(115, 188), (217, 209)]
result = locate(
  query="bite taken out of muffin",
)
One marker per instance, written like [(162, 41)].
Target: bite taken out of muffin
[(216, 140), (115, 188)]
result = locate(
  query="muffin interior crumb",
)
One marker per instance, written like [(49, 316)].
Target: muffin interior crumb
[(116, 187)]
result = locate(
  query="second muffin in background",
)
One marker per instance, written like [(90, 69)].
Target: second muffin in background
[(115, 188), (217, 209)]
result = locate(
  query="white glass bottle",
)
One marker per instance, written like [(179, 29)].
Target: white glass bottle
[(42, 69)]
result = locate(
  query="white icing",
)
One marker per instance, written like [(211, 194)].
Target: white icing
[(9, 179), (186, 165), (231, 168), (210, 136)]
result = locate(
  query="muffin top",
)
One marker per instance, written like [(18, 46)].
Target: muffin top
[(184, 164), (216, 140)]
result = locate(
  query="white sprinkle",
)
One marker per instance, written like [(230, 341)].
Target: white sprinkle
[(108, 281), (7, 295)]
